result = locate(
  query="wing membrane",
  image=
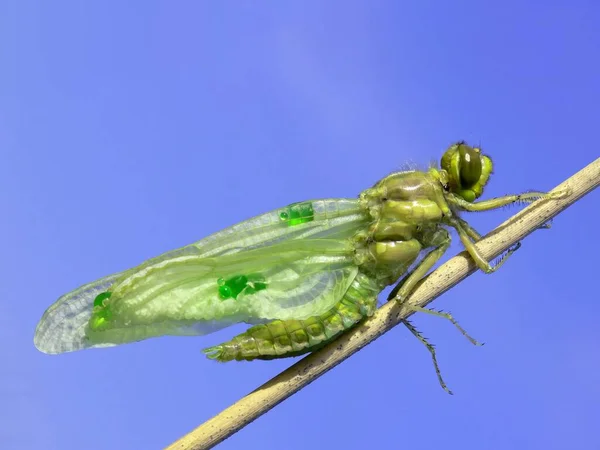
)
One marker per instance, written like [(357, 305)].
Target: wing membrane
[(307, 268)]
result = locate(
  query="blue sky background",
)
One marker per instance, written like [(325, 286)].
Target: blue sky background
[(131, 128)]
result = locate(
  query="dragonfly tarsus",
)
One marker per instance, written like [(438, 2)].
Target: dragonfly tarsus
[(504, 256)]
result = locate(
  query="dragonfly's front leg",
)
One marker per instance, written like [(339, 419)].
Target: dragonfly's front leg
[(499, 202), (468, 235), (465, 231), (472, 232), (475, 236)]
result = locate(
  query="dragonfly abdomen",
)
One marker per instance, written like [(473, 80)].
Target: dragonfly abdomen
[(285, 338)]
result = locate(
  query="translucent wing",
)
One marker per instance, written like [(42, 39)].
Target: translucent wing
[(293, 262)]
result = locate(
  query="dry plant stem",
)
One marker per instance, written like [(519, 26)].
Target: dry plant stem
[(316, 364)]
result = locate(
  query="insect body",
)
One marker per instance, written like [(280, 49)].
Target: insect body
[(302, 275)]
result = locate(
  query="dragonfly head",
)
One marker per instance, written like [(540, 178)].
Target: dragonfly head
[(465, 171)]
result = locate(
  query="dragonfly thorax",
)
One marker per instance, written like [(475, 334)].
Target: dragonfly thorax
[(404, 207)]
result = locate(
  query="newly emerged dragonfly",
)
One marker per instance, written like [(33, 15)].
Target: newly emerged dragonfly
[(302, 274)]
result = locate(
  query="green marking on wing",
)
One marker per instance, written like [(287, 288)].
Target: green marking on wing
[(101, 311), (233, 286), (298, 213), (99, 300)]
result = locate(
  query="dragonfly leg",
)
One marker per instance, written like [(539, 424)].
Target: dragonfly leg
[(475, 236), (433, 312), (465, 231), (471, 232), (481, 262), (431, 349), (448, 316), (499, 202)]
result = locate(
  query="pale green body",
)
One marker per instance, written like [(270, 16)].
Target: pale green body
[(302, 274)]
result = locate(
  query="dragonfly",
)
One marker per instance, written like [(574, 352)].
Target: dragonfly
[(300, 275)]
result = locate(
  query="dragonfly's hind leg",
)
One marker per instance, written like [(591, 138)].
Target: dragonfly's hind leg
[(424, 341), (431, 349), (448, 316), (441, 239), (429, 345), (433, 312)]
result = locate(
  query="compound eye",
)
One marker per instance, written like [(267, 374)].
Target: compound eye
[(469, 166)]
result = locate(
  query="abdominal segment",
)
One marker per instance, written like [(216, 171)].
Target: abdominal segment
[(286, 338)]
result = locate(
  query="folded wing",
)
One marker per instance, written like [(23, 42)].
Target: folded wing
[(289, 263)]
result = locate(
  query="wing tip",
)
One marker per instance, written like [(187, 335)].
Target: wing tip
[(63, 325), (53, 338)]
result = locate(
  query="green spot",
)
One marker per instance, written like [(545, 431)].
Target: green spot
[(298, 213), (100, 318), (99, 300), (97, 322), (233, 286), (101, 313), (225, 292)]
